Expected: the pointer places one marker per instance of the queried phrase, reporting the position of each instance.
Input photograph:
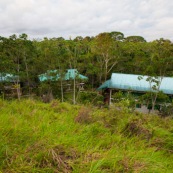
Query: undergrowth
(59, 137)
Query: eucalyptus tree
(62, 54)
(73, 48)
(105, 49)
(11, 59)
(28, 56)
(133, 57)
(16, 54)
(50, 57)
(159, 65)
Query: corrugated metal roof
(54, 76)
(6, 77)
(50, 75)
(73, 73)
(132, 82)
(105, 85)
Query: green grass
(59, 137)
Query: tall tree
(106, 51)
(159, 65)
(135, 39)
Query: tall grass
(59, 137)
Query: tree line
(95, 57)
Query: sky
(151, 19)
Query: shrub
(90, 97)
(83, 116)
(166, 110)
(135, 128)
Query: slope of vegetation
(59, 137)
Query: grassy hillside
(58, 137)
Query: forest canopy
(95, 57)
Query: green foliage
(118, 96)
(90, 97)
(161, 98)
(96, 57)
(135, 39)
(126, 99)
(166, 109)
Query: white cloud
(151, 19)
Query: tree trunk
(74, 91)
(62, 94)
(27, 74)
(18, 84)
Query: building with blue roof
(6, 77)
(131, 82)
(70, 82)
(134, 84)
(53, 75)
(10, 85)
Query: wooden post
(110, 95)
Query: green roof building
(6, 77)
(131, 82)
(53, 75)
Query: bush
(166, 110)
(83, 116)
(135, 128)
(127, 99)
(90, 97)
